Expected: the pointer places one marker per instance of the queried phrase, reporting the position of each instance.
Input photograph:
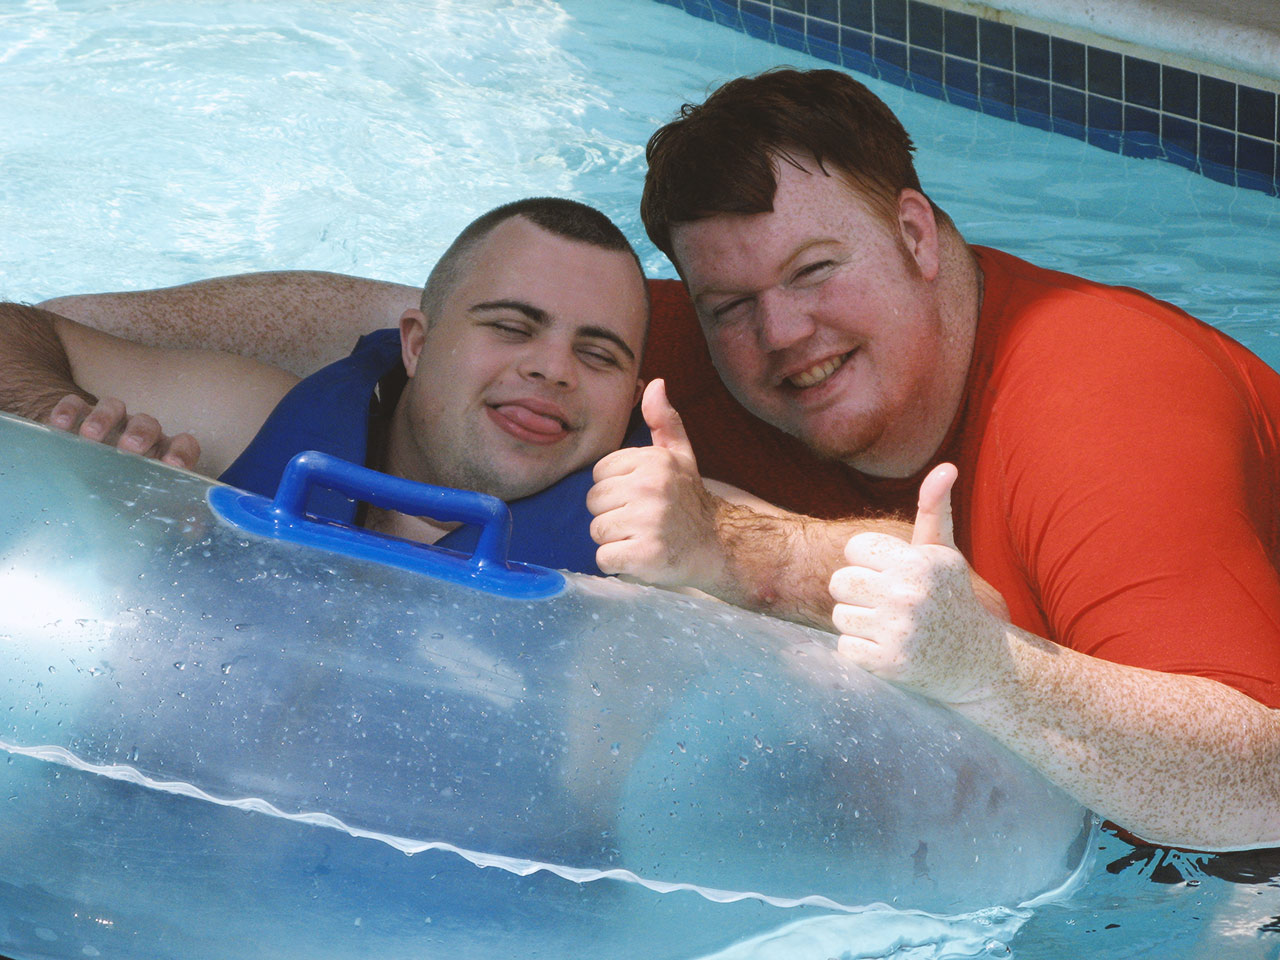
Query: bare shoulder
(297, 320)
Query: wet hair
(564, 218)
(719, 156)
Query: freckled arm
(1176, 759)
(781, 563)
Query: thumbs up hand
(907, 612)
(655, 520)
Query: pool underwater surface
(150, 143)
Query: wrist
(1008, 675)
(778, 564)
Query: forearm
(781, 563)
(297, 320)
(1175, 759)
(34, 370)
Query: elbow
(1231, 802)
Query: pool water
(149, 142)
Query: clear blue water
(148, 142)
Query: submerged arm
(297, 320)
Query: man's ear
(918, 229)
(639, 392)
(413, 335)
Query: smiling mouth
(818, 373)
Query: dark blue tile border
(1125, 104)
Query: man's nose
(551, 364)
(782, 320)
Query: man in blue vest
(514, 373)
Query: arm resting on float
(297, 320)
(221, 399)
(780, 563)
(1177, 760)
(749, 552)
(658, 521)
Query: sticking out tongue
(528, 424)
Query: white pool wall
(1242, 37)
(1178, 80)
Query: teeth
(817, 373)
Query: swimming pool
(153, 142)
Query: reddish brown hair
(719, 157)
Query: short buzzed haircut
(564, 218)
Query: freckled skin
(818, 325)
(778, 293)
(1131, 744)
(826, 279)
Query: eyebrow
(542, 318)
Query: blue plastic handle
(312, 468)
(285, 518)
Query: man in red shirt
(1118, 463)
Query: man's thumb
(933, 515)
(663, 420)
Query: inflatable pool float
(218, 742)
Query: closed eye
(814, 270)
(598, 356)
(722, 311)
(510, 329)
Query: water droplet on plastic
(680, 746)
(615, 748)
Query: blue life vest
(330, 411)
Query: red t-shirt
(1119, 470)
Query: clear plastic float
(220, 742)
